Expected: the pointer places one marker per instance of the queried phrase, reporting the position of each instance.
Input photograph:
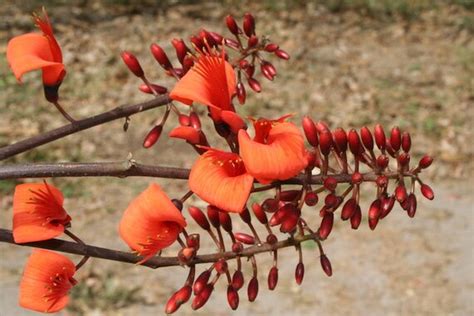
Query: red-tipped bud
(395, 138)
(254, 84)
(213, 215)
(249, 24)
(375, 209)
(310, 131)
(237, 247)
(237, 280)
(330, 183)
(411, 205)
(289, 195)
(160, 56)
(357, 178)
(184, 120)
(172, 306)
(231, 43)
(252, 289)
(221, 266)
(232, 24)
(152, 137)
(379, 135)
(273, 278)
(389, 149)
(340, 139)
(382, 161)
(427, 191)
(199, 217)
(201, 299)
(367, 138)
(270, 68)
(311, 198)
(381, 181)
(280, 53)
(201, 282)
(259, 213)
(322, 127)
(181, 49)
(348, 209)
(245, 215)
(403, 159)
(148, 88)
(241, 93)
(288, 224)
(198, 42)
(250, 70)
(400, 193)
(299, 273)
(270, 205)
(282, 213)
(406, 142)
(253, 41)
(373, 223)
(326, 225)
(132, 63)
(354, 142)
(225, 221)
(232, 297)
(387, 205)
(425, 162)
(271, 47)
(326, 265)
(266, 72)
(272, 239)
(183, 294)
(245, 238)
(325, 142)
(193, 241)
(356, 218)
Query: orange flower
(38, 212)
(34, 51)
(46, 281)
(220, 178)
(277, 151)
(151, 222)
(211, 82)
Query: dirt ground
(349, 68)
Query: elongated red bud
(194, 120)
(348, 209)
(221, 266)
(356, 218)
(271, 47)
(237, 247)
(299, 273)
(395, 138)
(406, 142)
(379, 135)
(272, 239)
(310, 131)
(403, 159)
(172, 306)
(254, 84)
(245, 215)
(283, 212)
(289, 223)
(322, 127)
(326, 225)
(289, 195)
(270, 205)
(183, 120)
(181, 49)
(148, 88)
(354, 142)
(250, 70)
(266, 73)
(270, 68)
(213, 215)
(272, 278)
(187, 133)
(241, 93)
(411, 205)
(389, 149)
(425, 162)
(259, 213)
(201, 299)
(249, 24)
(330, 201)
(237, 280)
(427, 191)
(252, 289)
(232, 24)
(218, 38)
(193, 241)
(325, 142)
(132, 63)
(340, 139)
(400, 193)
(375, 209)
(225, 221)
(183, 294)
(160, 56)
(357, 178)
(206, 36)
(253, 41)
(367, 138)
(231, 43)
(330, 183)
(387, 205)
(152, 137)
(311, 198)
(245, 238)
(201, 282)
(382, 161)
(382, 181)
(232, 297)
(199, 217)
(280, 53)
(326, 265)
(373, 223)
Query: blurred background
(353, 63)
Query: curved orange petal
(47, 279)
(44, 24)
(151, 222)
(37, 212)
(187, 133)
(220, 179)
(211, 82)
(234, 121)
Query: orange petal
(220, 179)
(44, 25)
(235, 122)
(187, 133)
(151, 222)
(46, 281)
(280, 157)
(211, 82)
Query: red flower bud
(289, 195)
(381, 181)
(403, 159)
(259, 213)
(354, 142)
(225, 221)
(330, 183)
(425, 162)
(252, 289)
(252, 41)
(373, 223)
(325, 142)
(299, 273)
(330, 201)
(221, 266)
(310, 131)
(375, 209)
(183, 294)
(395, 138)
(237, 247)
(272, 278)
(379, 136)
(387, 205)
(288, 224)
(406, 142)
(201, 299)
(245, 238)
(160, 56)
(280, 53)
(198, 42)
(231, 43)
(356, 218)
(218, 38)
(213, 215)
(389, 149)
(232, 297)
(357, 178)
(266, 72)
(245, 215)
(272, 239)
(194, 120)
(271, 47)
(249, 24)
(184, 120)
(172, 306)
(254, 84)
(367, 138)
(250, 70)
(340, 139)
(326, 265)
(237, 280)
(326, 225)
(157, 88)
(193, 241)
(427, 191)
(199, 217)
(411, 205)
(400, 193)
(181, 49)
(232, 24)
(187, 64)
(311, 198)
(322, 127)
(348, 209)
(132, 63)
(152, 137)
(270, 205)
(382, 161)
(201, 282)
(241, 93)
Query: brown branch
(80, 125)
(155, 262)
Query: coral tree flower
(151, 222)
(277, 151)
(38, 212)
(47, 279)
(35, 51)
(221, 179)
